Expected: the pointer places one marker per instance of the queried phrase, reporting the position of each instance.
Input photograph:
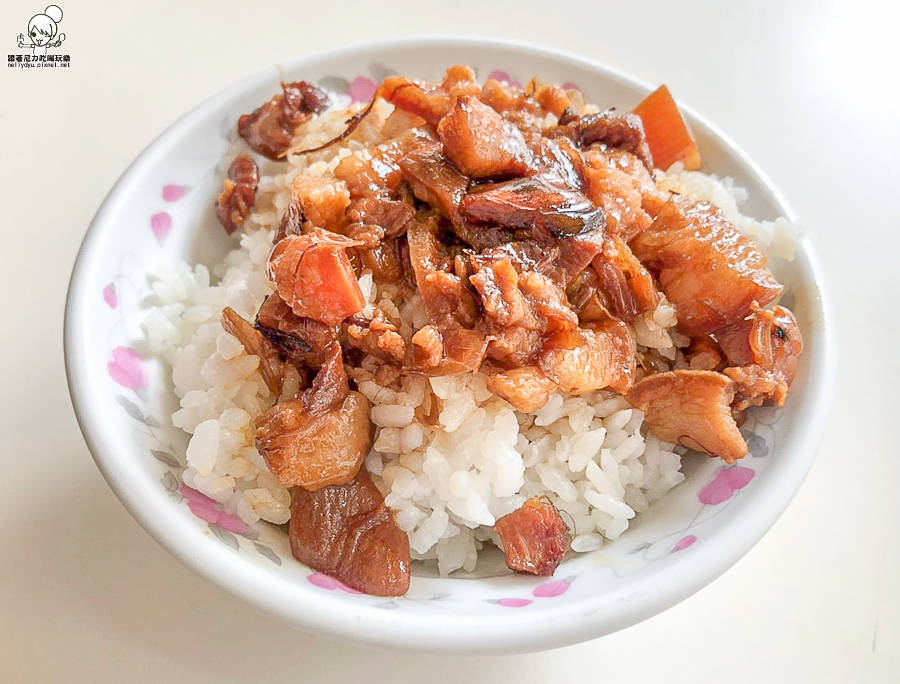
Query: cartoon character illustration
(42, 29)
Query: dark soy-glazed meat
(346, 531)
(609, 129)
(534, 537)
(238, 193)
(530, 204)
(269, 130)
(507, 231)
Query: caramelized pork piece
(527, 388)
(448, 349)
(347, 532)
(385, 261)
(691, 408)
(535, 206)
(584, 360)
(238, 193)
(608, 129)
(549, 96)
(378, 337)
(497, 282)
(513, 347)
(313, 275)
(431, 101)
(514, 295)
(704, 353)
(269, 130)
(535, 537)
(391, 217)
(762, 351)
(502, 97)
(270, 363)
(617, 182)
(303, 341)
(708, 270)
(481, 143)
(372, 171)
(320, 438)
(433, 180)
(627, 287)
(316, 202)
(444, 295)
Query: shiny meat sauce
(530, 233)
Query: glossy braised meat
(608, 129)
(710, 272)
(534, 537)
(691, 408)
(321, 437)
(316, 202)
(533, 204)
(482, 144)
(497, 243)
(238, 193)
(313, 275)
(269, 130)
(347, 532)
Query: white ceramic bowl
(158, 211)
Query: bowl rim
(513, 632)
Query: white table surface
(808, 87)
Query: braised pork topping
(532, 249)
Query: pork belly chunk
(691, 408)
(481, 143)
(349, 533)
(710, 272)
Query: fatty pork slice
(433, 180)
(710, 272)
(238, 193)
(592, 358)
(270, 128)
(347, 532)
(431, 101)
(448, 349)
(313, 275)
(527, 388)
(481, 143)
(762, 353)
(534, 205)
(534, 537)
(321, 437)
(691, 408)
(316, 202)
(626, 286)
